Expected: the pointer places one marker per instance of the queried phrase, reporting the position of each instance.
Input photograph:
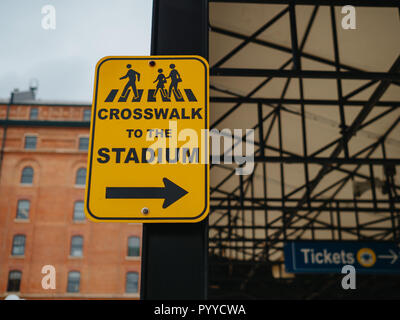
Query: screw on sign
(148, 149)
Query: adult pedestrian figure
(160, 83)
(131, 74)
(175, 79)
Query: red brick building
(42, 184)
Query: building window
(30, 142)
(27, 175)
(87, 115)
(81, 177)
(133, 247)
(79, 215)
(18, 246)
(76, 246)
(74, 279)
(23, 209)
(33, 113)
(14, 281)
(83, 143)
(132, 279)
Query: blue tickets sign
(331, 256)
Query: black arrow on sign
(170, 193)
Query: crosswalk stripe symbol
(123, 99)
(179, 97)
(111, 95)
(152, 98)
(190, 95)
(140, 93)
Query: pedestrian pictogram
(160, 85)
(131, 75)
(149, 141)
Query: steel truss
(237, 237)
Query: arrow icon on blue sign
(392, 256)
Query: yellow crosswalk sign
(148, 148)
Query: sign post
(174, 256)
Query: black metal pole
(174, 255)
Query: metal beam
(327, 160)
(358, 3)
(290, 209)
(309, 74)
(311, 102)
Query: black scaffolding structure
(350, 189)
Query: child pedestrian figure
(160, 83)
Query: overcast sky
(63, 60)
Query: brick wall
(52, 195)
